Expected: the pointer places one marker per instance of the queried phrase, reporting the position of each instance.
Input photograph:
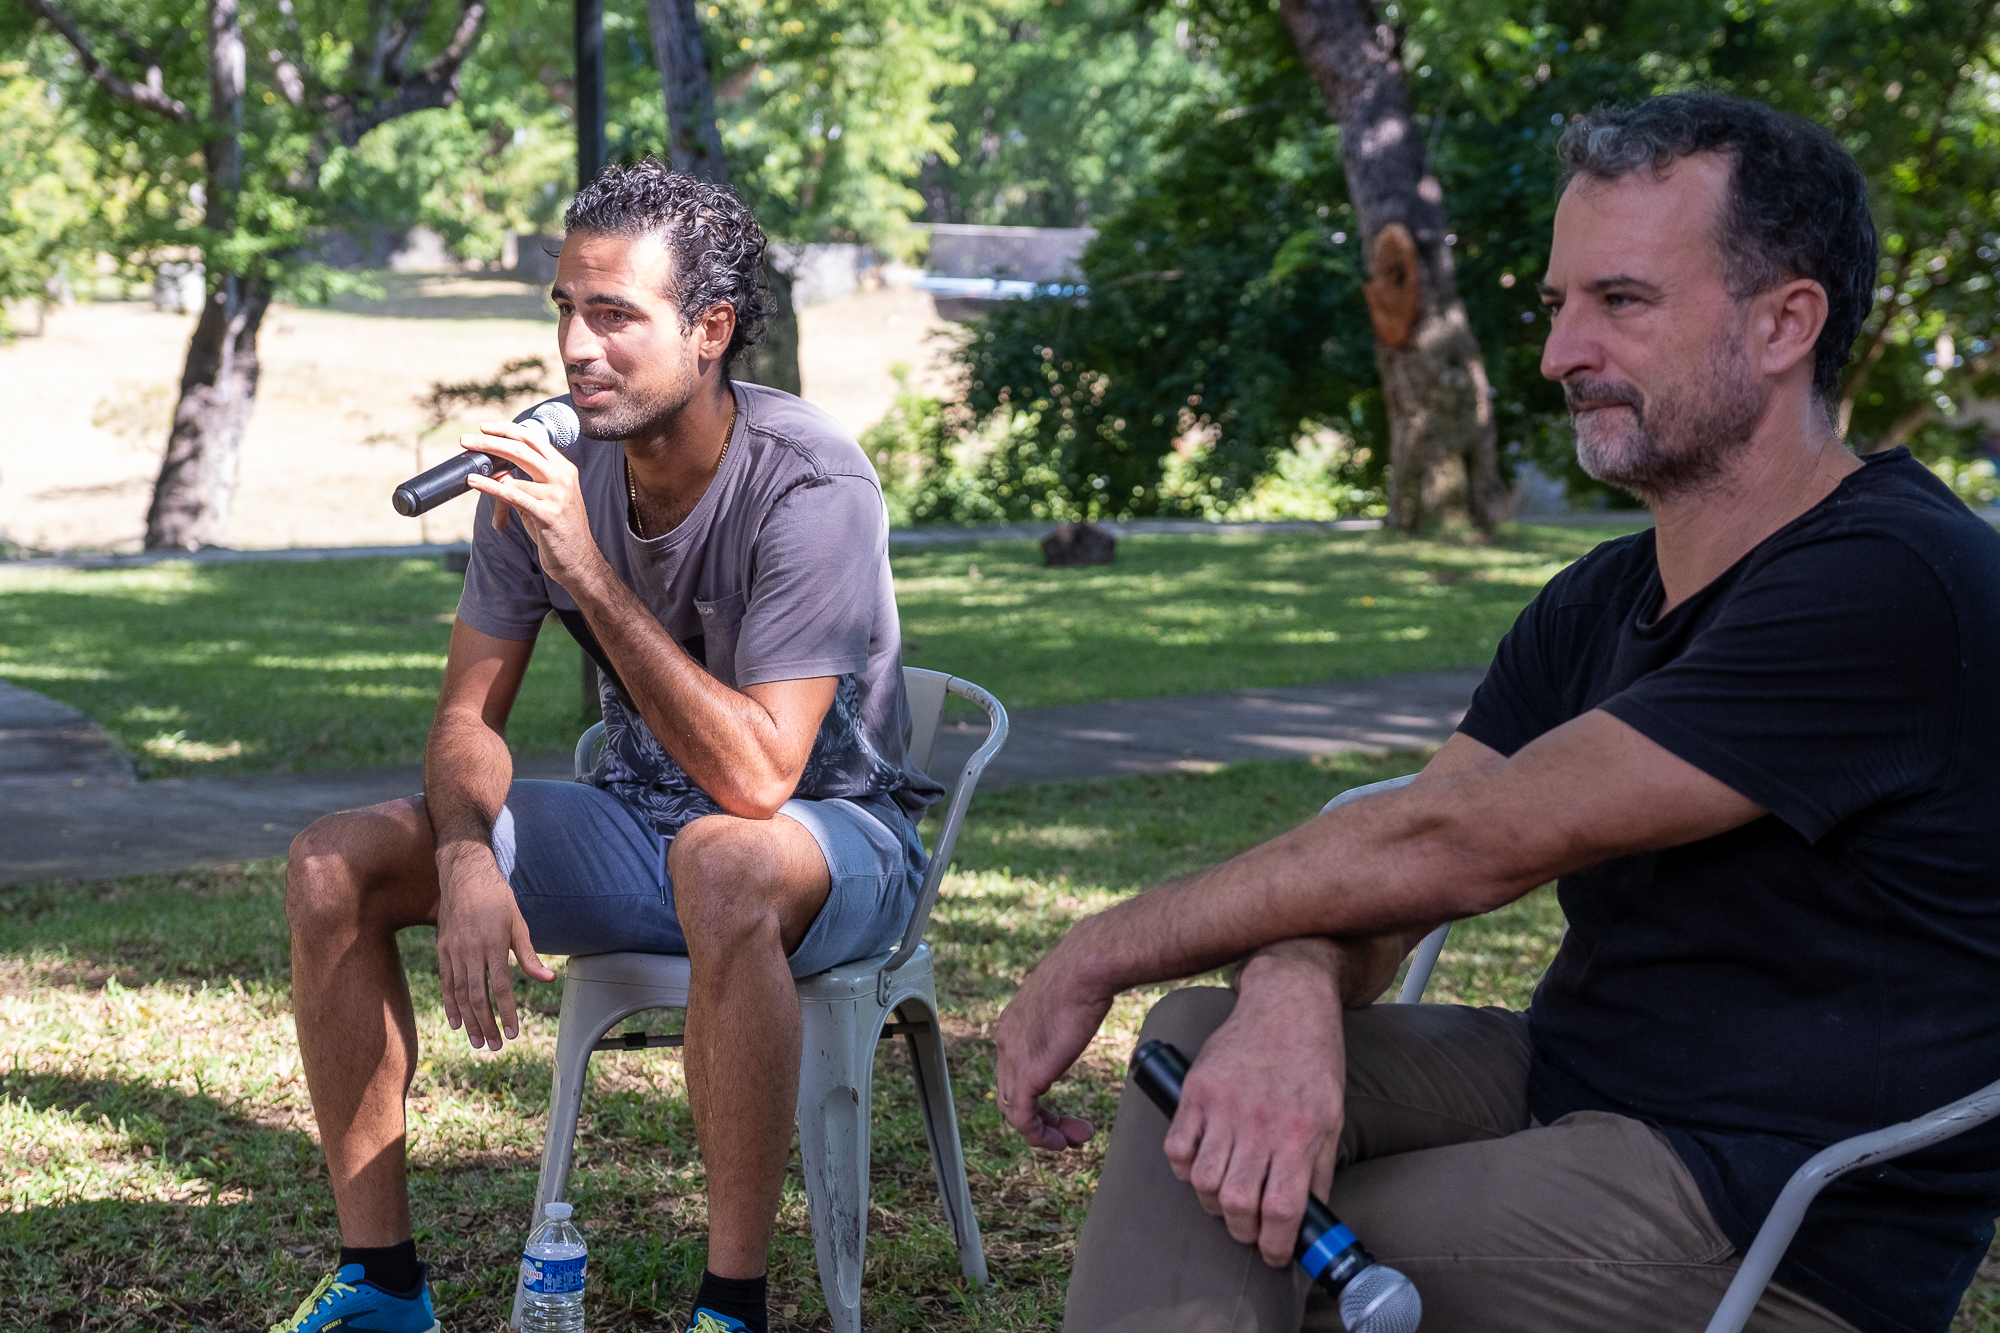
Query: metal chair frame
(1825, 1167)
(846, 1011)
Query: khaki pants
(1590, 1223)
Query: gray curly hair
(717, 246)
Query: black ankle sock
(738, 1297)
(393, 1268)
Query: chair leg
(587, 1014)
(836, 1079)
(941, 1128)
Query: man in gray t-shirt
(722, 551)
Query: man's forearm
(1439, 850)
(720, 736)
(467, 771)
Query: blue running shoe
(708, 1321)
(343, 1301)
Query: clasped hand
(549, 498)
(1259, 1124)
(1261, 1108)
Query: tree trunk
(1443, 459)
(695, 146)
(219, 384)
(218, 388)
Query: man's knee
(342, 860)
(727, 888)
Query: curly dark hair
(1797, 206)
(717, 246)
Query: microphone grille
(559, 420)
(1380, 1300)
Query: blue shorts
(590, 875)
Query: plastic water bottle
(552, 1269)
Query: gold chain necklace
(632, 486)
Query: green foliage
(826, 110)
(1223, 318)
(54, 210)
(1068, 108)
(308, 66)
(928, 465)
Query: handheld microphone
(447, 481)
(1373, 1298)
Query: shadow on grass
(211, 670)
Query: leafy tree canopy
(1223, 316)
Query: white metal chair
(1825, 1167)
(845, 1010)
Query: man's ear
(1796, 312)
(718, 326)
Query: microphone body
(1373, 1298)
(450, 479)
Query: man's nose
(578, 344)
(1570, 349)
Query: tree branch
(436, 86)
(148, 96)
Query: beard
(1679, 440)
(632, 413)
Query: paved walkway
(69, 807)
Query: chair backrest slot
(926, 691)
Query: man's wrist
(1089, 961)
(459, 853)
(1301, 972)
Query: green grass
(215, 670)
(163, 1171)
(1181, 615)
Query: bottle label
(552, 1277)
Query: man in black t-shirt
(1758, 746)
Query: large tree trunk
(695, 146)
(218, 388)
(219, 384)
(1443, 459)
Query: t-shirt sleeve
(505, 594)
(816, 582)
(1828, 684)
(1520, 697)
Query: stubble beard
(631, 414)
(1678, 442)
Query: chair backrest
(1426, 955)
(928, 691)
(925, 686)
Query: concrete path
(69, 807)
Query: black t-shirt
(1834, 966)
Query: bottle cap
(557, 1212)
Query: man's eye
(1617, 301)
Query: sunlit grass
(163, 1167)
(242, 668)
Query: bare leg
(746, 891)
(355, 879)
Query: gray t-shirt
(780, 573)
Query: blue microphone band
(1326, 1249)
